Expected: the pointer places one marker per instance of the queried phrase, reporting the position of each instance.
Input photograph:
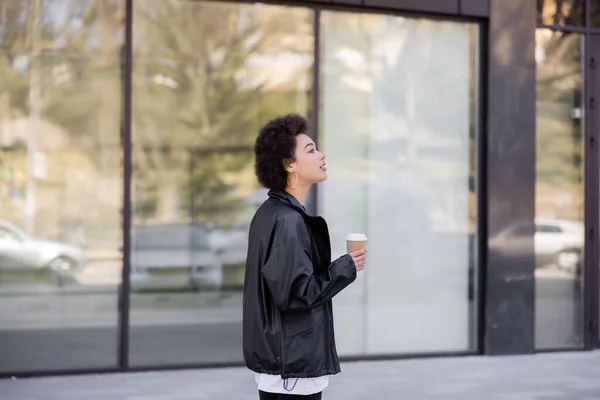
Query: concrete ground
(554, 376)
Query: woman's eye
(312, 151)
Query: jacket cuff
(348, 266)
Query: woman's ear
(287, 165)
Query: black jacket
(288, 287)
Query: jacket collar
(284, 196)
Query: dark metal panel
(308, 2)
(437, 6)
(481, 174)
(510, 284)
(356, 2)
(592, 192)
(127, 63)
(475, 8)
(587, 15)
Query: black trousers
(275, 396)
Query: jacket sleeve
(289, 274)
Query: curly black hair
(276, 142)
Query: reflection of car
(557, 241)
(20, 252)
(173, 256)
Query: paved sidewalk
(556, 376)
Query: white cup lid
(356, 237)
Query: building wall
(427, 111)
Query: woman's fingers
(358, 253)
(360, 258)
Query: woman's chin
(320, 178)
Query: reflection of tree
(86, 79)
(79, 64)
(59, 68)
(191, 96)
(561, 12)
(209, 195)
(80, 88)
(198, 90)
(559, 166)
(13, 44)
(196, 97)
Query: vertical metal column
(127, 62)
(316, 89)
(481, 190)
(511, 161)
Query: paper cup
(355, 241)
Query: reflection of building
(472, 193)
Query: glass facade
(394, 101)
(559, 227)
(567, 180)
(402, 161)
(206, 76)
(61, 180)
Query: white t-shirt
(299, 386)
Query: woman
(290, 280)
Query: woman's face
(309, 163)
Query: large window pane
(398, 127)
(559, 230)
(207, 76)
(60, 183)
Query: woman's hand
(360, 258)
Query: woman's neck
(299, 192)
